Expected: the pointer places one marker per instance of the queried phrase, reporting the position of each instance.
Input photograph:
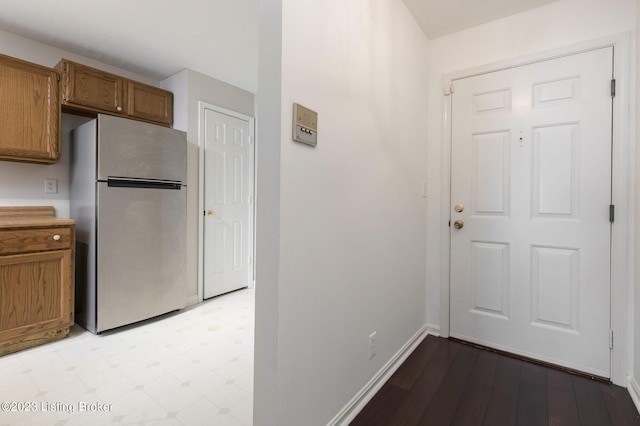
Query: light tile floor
(193, 367)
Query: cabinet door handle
(119, 108)
(56, 237)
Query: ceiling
(441, 17)
(219, 38)
(154, 38)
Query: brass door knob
(458, 208)
(211, 213)
(458, 224)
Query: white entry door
(531, 185)
(228, 203)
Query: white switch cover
(51, 186)
(372, 345)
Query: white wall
(189, 88)
(268, 147)
(22, 184)
(635, 380)
(351, 212)
(553, 26)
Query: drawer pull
(56, 237)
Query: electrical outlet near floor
(372, 344)
(51, 186)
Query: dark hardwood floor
(448, 383)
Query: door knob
(458, 224)
(211, 213)
(458, 208)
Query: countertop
(40, 216)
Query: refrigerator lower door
(141, 254)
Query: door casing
(622, 190)
(202, 106)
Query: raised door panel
(92, 88)
(149, 103)
(35, 294)
(29, 112)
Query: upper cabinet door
(92, 88)
(29, 112)
(149, 103)
(89, 90)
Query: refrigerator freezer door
(141, 254)
(128, 148)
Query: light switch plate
(305, 125)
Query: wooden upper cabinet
(149, 103)
(29, 112)
(90, 90)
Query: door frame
(622, 189)
(202, 107)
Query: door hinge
(64, 96)
(610, 339)
(613, 87)
(448, 89)
(58, 77)
(612, 213)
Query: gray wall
(189, 89)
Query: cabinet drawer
(26, 240)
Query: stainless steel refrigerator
(128, 198)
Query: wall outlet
(372, 345)
(51, 186)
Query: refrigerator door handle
(116, 182)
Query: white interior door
(531, 172)
(228, 195)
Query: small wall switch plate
(51, 186)
(305, 125)
(372, 345)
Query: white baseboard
(357, 403)
(634, 391)
(433, 330)
(193, 300)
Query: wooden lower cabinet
(36, 280)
